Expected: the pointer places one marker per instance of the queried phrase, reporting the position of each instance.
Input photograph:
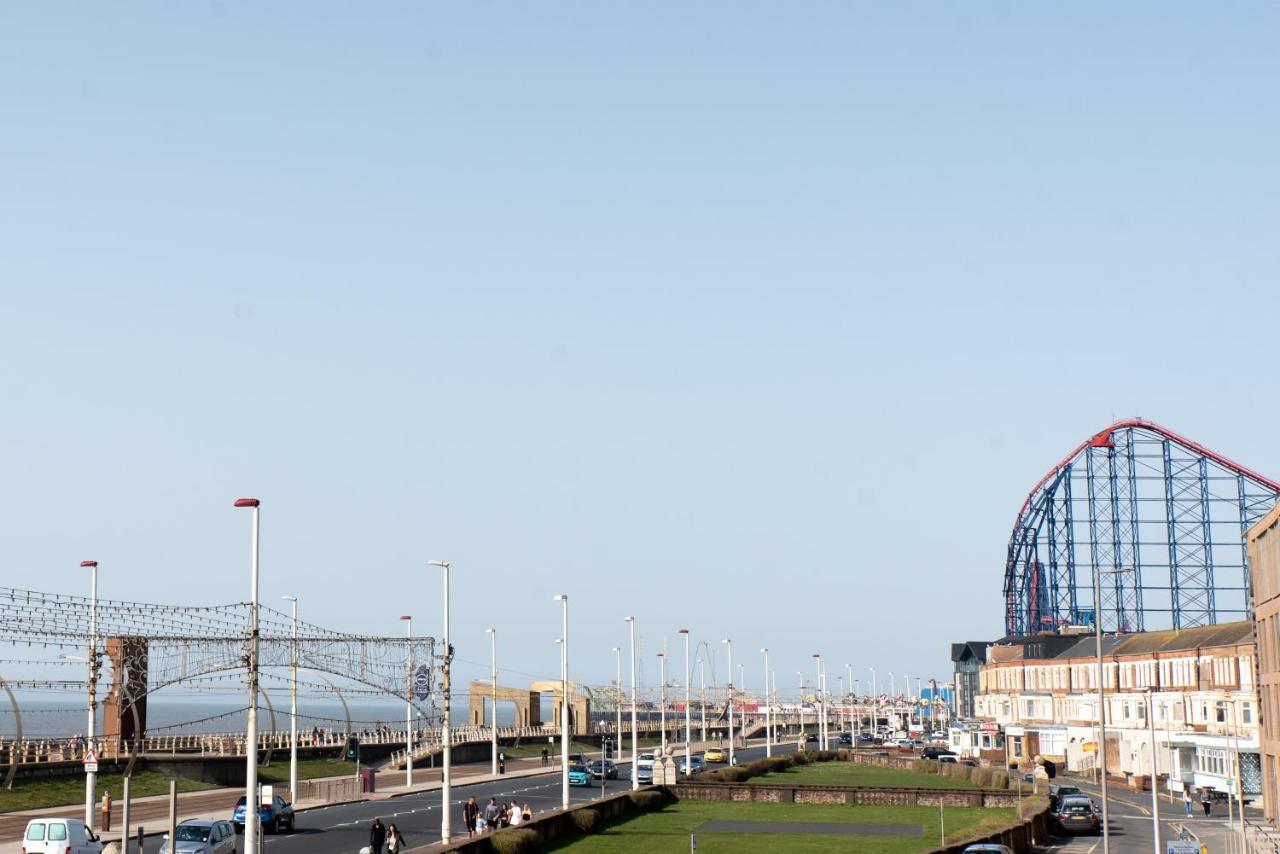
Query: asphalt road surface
(344, 829)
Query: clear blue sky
(759, 319)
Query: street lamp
(563, 599)
(688, 698)
(662, 699)
(293, 702)
(91, 778)
(251, 718)
(617, 702)
(821, 706)
(635, 751)
(408, 700)
(853, 697)
(702, 689)
(768, 712)
(1098, 572)
(800, 709)
(446, 738)
(729, 644)
(493, 687)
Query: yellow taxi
(714, 754)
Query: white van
(59, 836)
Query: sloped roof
(1170, 640)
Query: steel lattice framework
(192, 644)
(1137, 497)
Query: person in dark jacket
(469, 814)
(377, 836)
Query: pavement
(1132, 829)
(343, 828)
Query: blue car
(579, 775)
(276, 815)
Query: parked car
(811, 737)
(201, 836)
(714, 754)
(935, 752)
(695, 763)
(275, 816)
(988, 848)
(1058, 791)
(948, 759)
(865, 738)
(603, 768)
(580, 776)
(972, 763)
(58, 836)
(1077, 815)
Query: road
(1131, 825)
(344, 829)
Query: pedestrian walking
(491, 813)
(1207, 802)
(528, 814)
(395, 842)
(377, 836)
(470, 813)
(1186, 801)
(516, 815)
(545, 756)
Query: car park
(603, 769)
(276, 815)
(1076, 815)
(58, 836)
(714, 754)
(201, 836)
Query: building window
(1246, 712)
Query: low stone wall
(773, 793)
(549, 826)
(884, 760)
(1020, 837)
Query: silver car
(202, 836)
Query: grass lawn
(669, 829)
(308, 769)
(852, 774)
(63, 791)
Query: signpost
(1182, 846)
(90, 761)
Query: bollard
(142, 836)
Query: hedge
(515, 840)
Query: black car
(813, 736)
(1077, 815)
(935, 752)
(1057, 792)
(846, 738)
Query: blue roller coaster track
(1159, 517)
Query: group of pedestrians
(493, 816)
(1206, 801)
(389, 835)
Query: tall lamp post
(446, 737)
(635, 751)
(662, 699)
(493, 700)
(617, 701)
(729, 644)
(1098, 572)
(91, 778)
(768, 709)
(702, 689)
(408, 700)
(853, 696)
(251, 717)
(563, 599)
(821, 706)
(688, 698)
(293, 701)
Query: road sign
(90, 762)
(1180, 846)
(422, 682)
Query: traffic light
(353, 749)
(608, 748)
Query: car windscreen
(581, 769)
(192, 833)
